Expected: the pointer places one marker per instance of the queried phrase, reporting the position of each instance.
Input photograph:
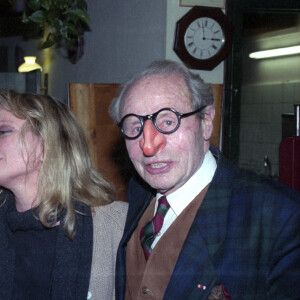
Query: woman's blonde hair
(66, 174)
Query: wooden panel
(90, 103)
(83, 105)
(211, 3)
(218, 95)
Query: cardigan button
(145, 290)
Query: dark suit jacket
(246, 235)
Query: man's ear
(207, 122)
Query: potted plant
(59, 22)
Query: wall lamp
(29, 64)
(275, 52)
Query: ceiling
(261, 23)
(11, 24)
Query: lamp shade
(29, 64)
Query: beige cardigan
(108, 225)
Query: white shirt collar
(182, 197)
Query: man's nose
(152, 141)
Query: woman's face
(19, 164)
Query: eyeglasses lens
(166, 121)
(131, 126)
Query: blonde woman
(59, 226)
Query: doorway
(260, 91)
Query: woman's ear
(207, 122)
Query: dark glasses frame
(152, 117)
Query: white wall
(125, 37)
(174, 13)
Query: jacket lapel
(139, 199)
(195, 273)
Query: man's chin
(161, 183)
(162, 188)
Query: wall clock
(203, 37)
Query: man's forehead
(158, 90)
(160, 81)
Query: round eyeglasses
(166, 120)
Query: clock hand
(203, 38)
(212, 39)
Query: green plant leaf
(41, 30)
(56, 23)
(38, 16)
(46, 4)
(72, 14)
(76, 14)
(34, 4)
(83, 16)
(82, 4)
(72, 29)
(48, 42)
(24, 19)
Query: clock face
(204, 38)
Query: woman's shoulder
(114, 209)
(114, 212)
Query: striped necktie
(150, 230)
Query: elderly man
(206, 229)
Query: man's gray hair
(201, 93)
